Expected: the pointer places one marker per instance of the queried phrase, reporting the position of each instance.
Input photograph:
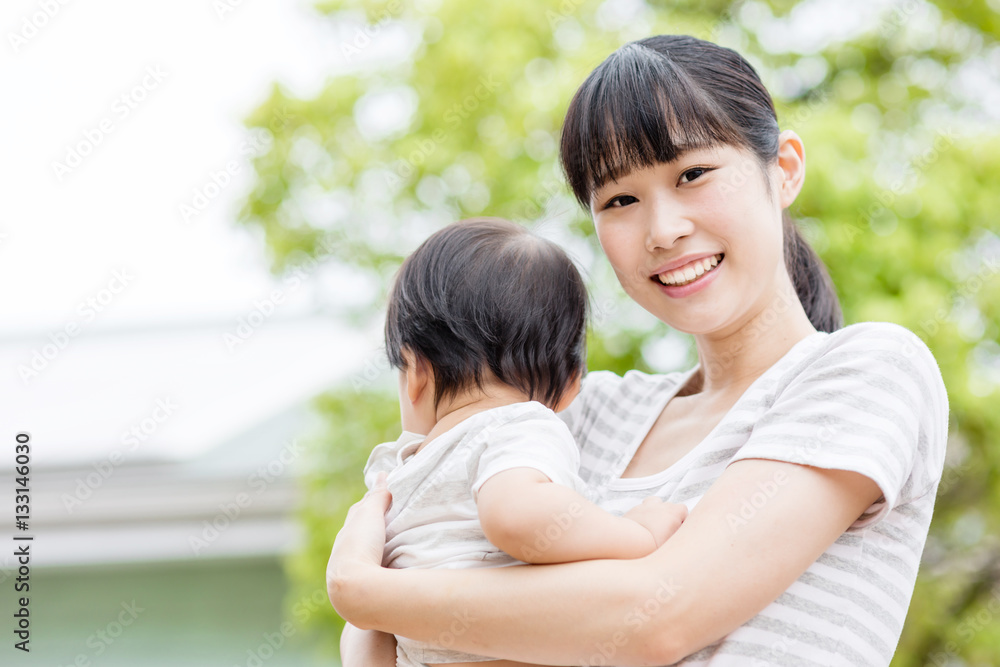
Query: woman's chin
(686, 317)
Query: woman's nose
(667, 224)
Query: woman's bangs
(636, 110)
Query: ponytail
(811, 280)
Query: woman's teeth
(690, 272)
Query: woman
(808, 454)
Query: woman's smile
(690, 277)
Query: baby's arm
(535, 520)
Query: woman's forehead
(688, 154)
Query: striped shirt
(868, 398)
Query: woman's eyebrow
(683, 151)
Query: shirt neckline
(412, 449)
(656, 479)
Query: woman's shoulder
(868, 398)
(882, 348)
(875, 331)
(878, 373)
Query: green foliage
(356, 421)
(900, 201)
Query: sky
(113, 303)
(117, 113)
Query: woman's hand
(357, 551)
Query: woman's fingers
(361, 541)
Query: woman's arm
(525, 514)
(366, 648)
(719, 570)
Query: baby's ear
(419, 376)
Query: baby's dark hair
(487, 297)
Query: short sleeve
(385, 457)
(873, 403)
(544, 444)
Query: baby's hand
(659, 518)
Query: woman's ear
(792, 166)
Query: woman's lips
(690, 271)
(687, 286)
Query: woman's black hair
(654, 99)
(487, 297)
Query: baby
(486, 324)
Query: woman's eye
(692, 174)
(620, 200)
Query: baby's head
(485, 301)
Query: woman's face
(698, 241)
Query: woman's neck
(731, 361)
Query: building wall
(201, 613)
